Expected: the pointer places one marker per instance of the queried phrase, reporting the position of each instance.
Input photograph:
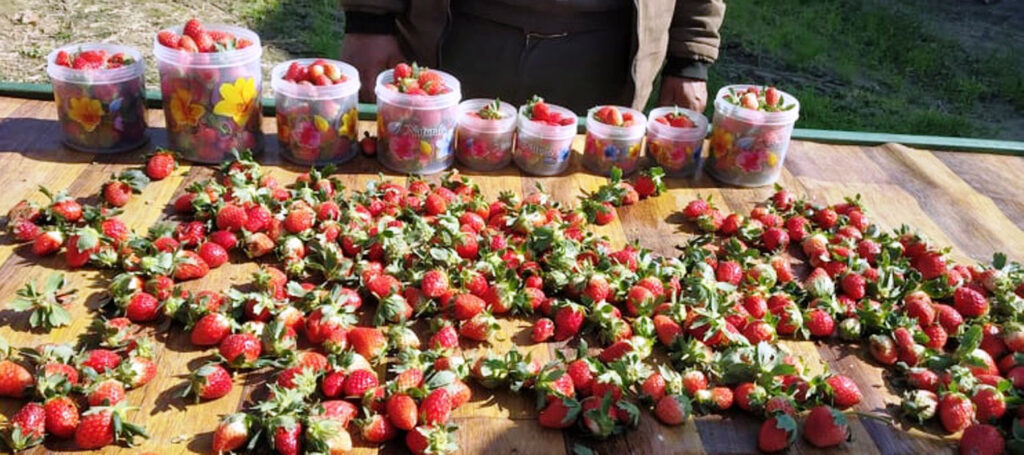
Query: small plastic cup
(543, 149)
(100, 110)
(317, 125)
(212, 99)
(416, 133)
(610, 146)
(485, 144)
(748, 147)
(676, 150)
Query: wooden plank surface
(973, 202)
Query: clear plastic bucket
(416, 133)
(610, 146)
(100, 110)
(748, 147)
(317, 124)
(212, 99)
(676, 150)
(485, 144)
(543, 149)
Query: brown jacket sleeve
(693, 34)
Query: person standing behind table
(576, 53)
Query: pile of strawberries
(676, 118)
(95, 59)
(611, 115)
(538, 111)
(766, 99)
(432, 266)
(416, 80)
(77, 393)
(195, 38)
(319, 72)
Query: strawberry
(116, 193)
(232, 432)
(97, 428)
(188, 265)
(826, 427)
(209, 382)
(776, 434)
(919, 305)
(162, 163)
(49, 241)
(286, 432)
(142, 307)
(480, 327)
(882, 349)
(27, 427)
(299, 220)
(434, 283)
(100, 360)
(240, 350)
(376, 429)
(970, 302)
(61, 416)
(369, 342)
(666, 329)
(466, 306)
(559, 413)
(24, 230)
(989, 403)
(436, 408)
(931, 264)
(844, 391)
(672, 409)
(431, 440)
(210, 330)
(401, 410)
(955, 411)
(106, 393)
(568, 321)
(1013, 336)
(213, 254)
(820, 323)
(67, 209)
(232, 218)
(193, 28)
(982, 439)
(543, 330)
(359, 382)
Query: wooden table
(973, 202)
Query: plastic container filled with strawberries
(750, 134)
(317, 115)
(675, 139)
(615, 137)
(485, 134)
(211, 82)
(544, 137)
(417, 111)
(100, 91)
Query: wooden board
(973, 202)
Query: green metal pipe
(369, 112)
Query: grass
(864, 65)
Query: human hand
(370, 54)
(683, 92)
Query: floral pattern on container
(750, 134)
(615, 138)
(544, 137)
(317, 116)
(99, 90)
(675, 139)
(485, 134)
(417, 111)
(211, 82)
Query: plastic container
(675, 149)
(317, 124)
(543, 149)
(610, 146)
(212, 99)
(416, 133)
(748, 147)
(100, 110)
(485, 144)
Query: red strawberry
(68, 209)
(695, 209)
(359, 382)
(142, 307)
(210, 330)
(568, 321)
(883, 349)
(820, 323)
(465, 306)
(543, 330)
(209, 382)
(61, 416)
(776, 434)
(25, 230)
(672, 409)
(982, 439)
(918, 305)
(369, 342)
(970, 302)
(101, 360)
(401, 410)
(240, 350)
(826, 427)
(116, 193)
(193, 28)
(286, 432)
(232, 432)
(667, 329)
(162, 163)
(47, 242)
(955, 411)
(845, 392)
(231, 217)
(188, 265)
(559, 413)
(97, 428)
(376, 429)
(694, 381)
(931, 264)
(299, 220)
(989, 403)
(106, 393)
(213, 254)
(27, 427)
(436, 408)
